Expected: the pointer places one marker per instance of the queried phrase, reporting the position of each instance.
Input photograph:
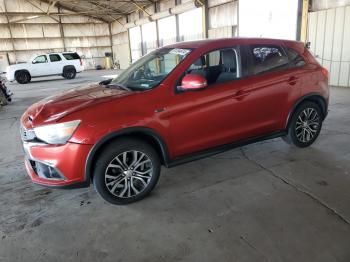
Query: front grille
(27, 134)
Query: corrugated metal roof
(106, 10)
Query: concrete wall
(24, 35)
(221, 22)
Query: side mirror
(193, 82)
(105, 82)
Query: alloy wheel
(128, 174)
(307, 125)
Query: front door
(40, 66)
(203, 119)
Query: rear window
(294, 58)
(268, 58)
(71, 56)
(55, 58)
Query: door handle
(292, 80)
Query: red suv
(177, 104)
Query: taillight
(324, 72)
(81, 61)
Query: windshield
(151, 69)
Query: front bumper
(57, 165)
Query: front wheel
(23, 77)
(305, 125)
(126, 171)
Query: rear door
(267, 90)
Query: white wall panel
(4, 31)
(45, 43)
(117, 27)
(268, 18)
(26, 30)
(5, 44)
(218, 2)
(51, 31)
(86, 30)
(122, 55)
(166, 4)
(223, 15)
(78, 19)
(320, 35)
(329, 34)
(3, 19)
(222, 32)
(87, 41)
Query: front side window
(55, 58)
(40, 59)
(218, 66)
(151, 69)
(268, 58)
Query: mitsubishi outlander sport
(176, 104)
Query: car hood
(58, 106)
(17, 66)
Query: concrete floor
(263, 202)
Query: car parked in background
(66, 64)
(177, 104)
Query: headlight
(57, 133)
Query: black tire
(110, 174)
(23, 77)
(303, 130)
(69, 73)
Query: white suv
(67, 64)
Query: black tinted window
(294, 58)
(55, 58)
(71, 56)
(218, 66)
(267, 58)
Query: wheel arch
(312, 97)
(146, 134)
(21, 70)
(68, 66)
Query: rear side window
(55, 58)
(71, 56)
(295, 60)
(268, 58)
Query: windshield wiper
(121, 86)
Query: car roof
(68, 52)
(231, 41)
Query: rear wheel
(126, 171)
(23, 77)
(69, 73)
(305, 125)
